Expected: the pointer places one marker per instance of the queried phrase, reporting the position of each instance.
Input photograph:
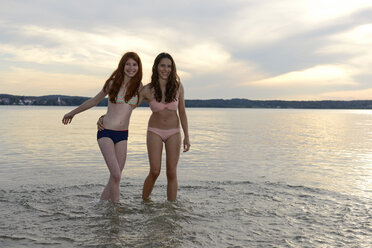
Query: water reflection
(275, 174)
(320, 148)
(148, 225)
(162, 225)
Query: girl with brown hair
(165, 95)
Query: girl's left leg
(172, 148)
(121, 153)
(115, 156)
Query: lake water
(253, 178)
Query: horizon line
(236, 98)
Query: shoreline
(64, 100)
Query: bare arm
(183, 119)
(144, 94)
(140, 95)
(67, 118)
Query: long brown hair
(173, 83)
(117, 78)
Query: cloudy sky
(255, 49)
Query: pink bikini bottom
(163, 133)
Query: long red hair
(117, 78)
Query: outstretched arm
(183, 119)
(67, 118)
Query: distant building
(4, 100)
(28, 102)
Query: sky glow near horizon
(260, 50)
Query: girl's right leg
(154, 149)
(112, 189)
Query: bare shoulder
(181, 90)
(146, 89)
(110, 84)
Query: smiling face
(130, 68)
(164, 73)
(164, 68)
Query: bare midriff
(117, 116)
(164, 119)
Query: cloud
(242, 48)
(203, 57)
(212, 58)
(363, 94)
(33, 82)
(322, 75)
(71, 46)
(347, 95)
(95, 54)
(356, 42)
(256, 23)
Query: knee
(171, 175)
(116, 177)
(154, 173)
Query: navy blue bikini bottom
(115, 135)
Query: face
(164, 68)
(130, 68)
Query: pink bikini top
(158, 106)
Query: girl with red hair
(122, 88)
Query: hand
(100, 125)
(186, 144)
(67, 118)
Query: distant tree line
(49, 100)
(62, 100)
(245, 103)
